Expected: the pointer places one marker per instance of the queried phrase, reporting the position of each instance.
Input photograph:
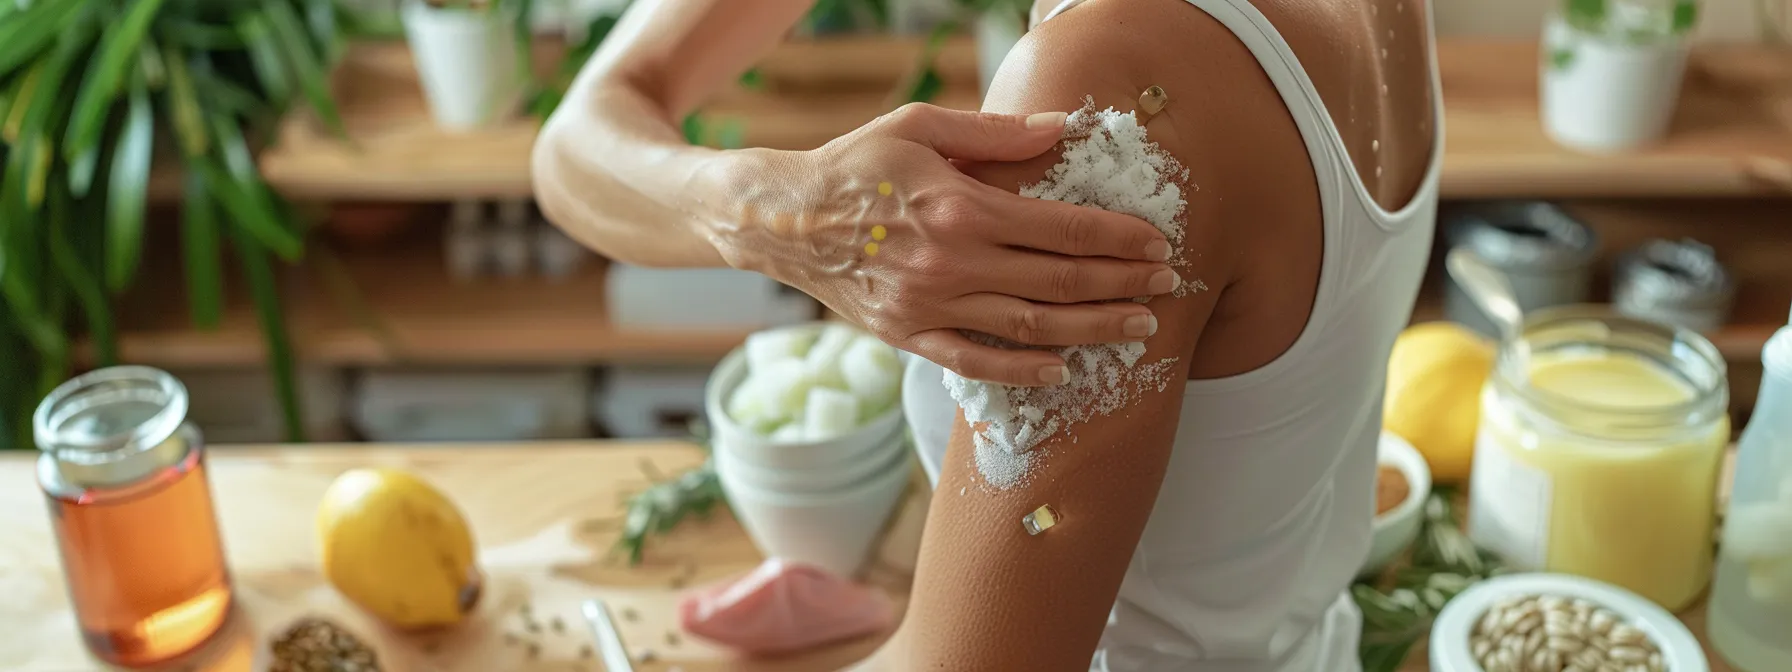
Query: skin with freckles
(987, 596)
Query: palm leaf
(183, 103)
(264, 57)
(304, 64)
(80, 278)
(129, 182)
(249, 210)
(106, 74)
(199, 248)
(26, 34)
(266, 295)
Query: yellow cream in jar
(1594, 471)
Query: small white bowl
(1395, 530)
(836, 476)
(1450, 650)
(834, 531)
(750, 446)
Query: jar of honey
(124, 476)
(1598, 454)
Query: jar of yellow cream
(1598, 452)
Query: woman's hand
(884, 229)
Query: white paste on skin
(1107, 163)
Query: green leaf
(150, 66)
(199, 249)
(1686, 13)
(1561, 57)
(320, 19)
(926, 87)
(266, 295)
(128, 190)
(304, 64)
(200, 36)
(693, 128)
(183, 103)
(752, 80)
(26, 34)
(1588, 15)
(246, 207)
(227, 95)
(81, 170)
(105, 74)
(80, 278)
(525, 39)
(265, 58)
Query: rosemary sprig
(1442, 564)
(666, 503)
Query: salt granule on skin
(1107, 163)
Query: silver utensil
(609, 639)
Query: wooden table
(543, 514)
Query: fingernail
(1044, 120)
(1140, 326)
(1055, 375)
(1164, 282)
(1157, 250)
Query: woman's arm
(879, 224)
(988, 596)
(612, 167)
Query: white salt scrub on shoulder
(1109, 164)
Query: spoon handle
(1489, 289)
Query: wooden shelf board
(1731, 137)
(428, 319)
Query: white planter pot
(466, 61)
(997, 33)
(1601, 95)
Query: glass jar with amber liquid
(123, 473)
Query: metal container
(1545, 254)
(1675, 283)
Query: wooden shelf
(1732, 135)
(427, 318)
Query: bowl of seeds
(1559, 623)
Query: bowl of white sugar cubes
(809, 440)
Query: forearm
(616, 174)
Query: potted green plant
(1612, 71)
(91, 92)
(472, 58)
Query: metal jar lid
(1674, 282)
(1526, 236)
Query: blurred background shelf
(1732, 135)
(409, 311)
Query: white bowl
(1395, 530)
(1450, 634)
(834, 531)
(839, 475)
(750, 446)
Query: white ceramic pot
(837, 476)
(750, 446)
(1395, 530)
(466, 61)
(1604, 95)
(1450, 647)
(997, 32)
(834, 531)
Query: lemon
(398, 548)
(1434, 394)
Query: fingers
(1020, 368)
(978, 136)
(1052, 226)
(1059, 279)
(1052, 324)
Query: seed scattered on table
(558, 625)
(534, 650)
(509, 639)
(630, 615)
(585, 652)
(647, 656)
(316, 644)
(671, 638)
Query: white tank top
(1264, 514)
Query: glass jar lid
(113, 425)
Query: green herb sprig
(1442, 563)
(669, 501)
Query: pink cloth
(781, 607)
